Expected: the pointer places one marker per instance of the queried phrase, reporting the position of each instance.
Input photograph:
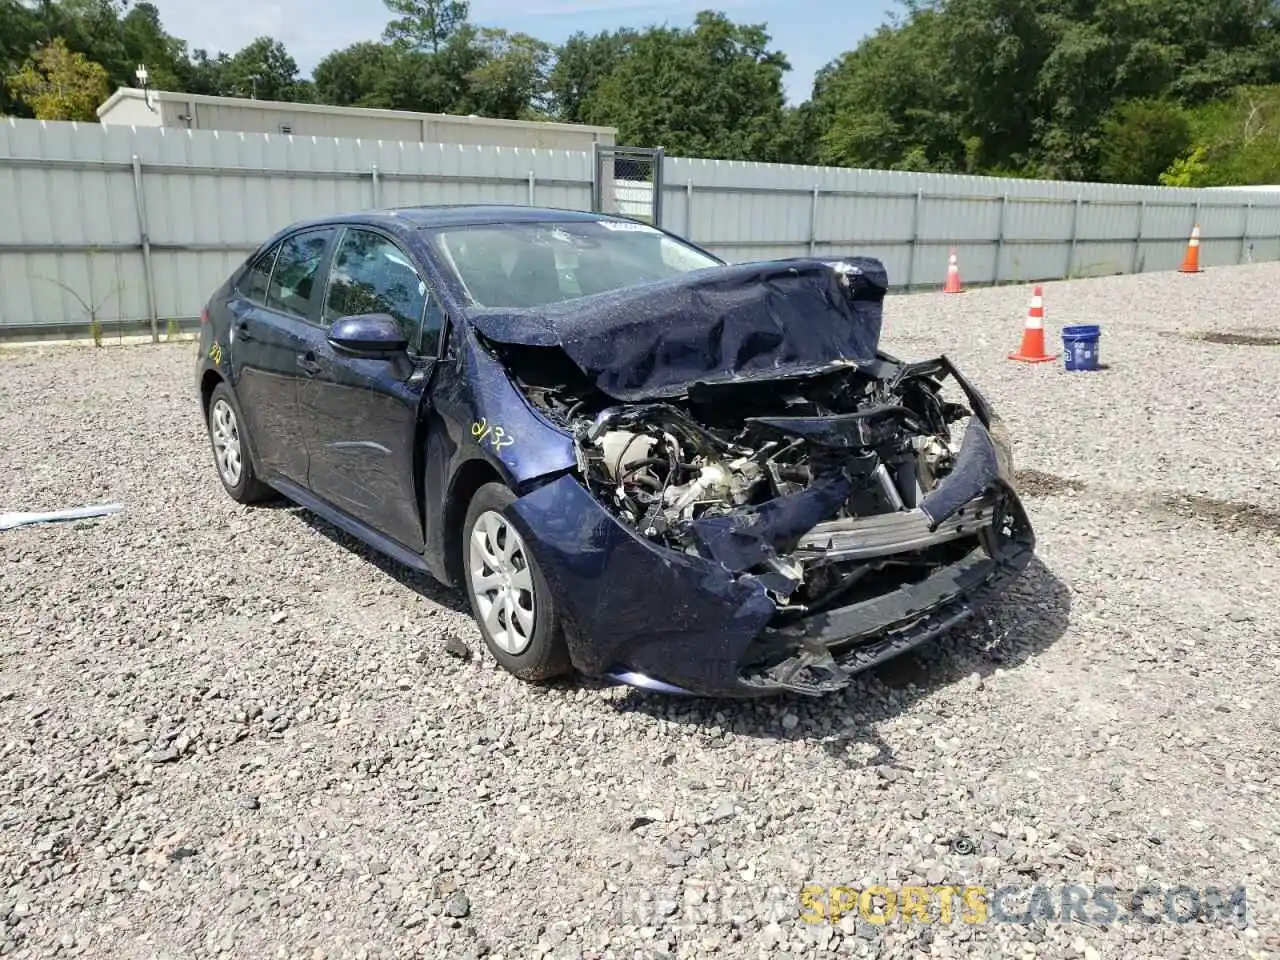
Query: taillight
(204, 316)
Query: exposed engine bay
(782, 479)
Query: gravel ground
(230, 731)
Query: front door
(269, 323)
(360, 415)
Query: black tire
(247, 488)
(546, 654)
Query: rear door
(276, 302)
(360, 415)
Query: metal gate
(628, 181)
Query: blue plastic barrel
(1080, 346)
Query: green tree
(797, 138)
(1237, 140)
(207, 74)
(983, 87)
(361, 75)
(891, 103)
(21, 33)
(1188, 171)
(145, 41)
(432, 82)
(1141, 138)
(91, 27)
(581, 65)
(438, 82)
(59, 84)
(1034, 87)
(510, 77)
(711, 91)
(425, 24)
(262, 70)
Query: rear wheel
(509, 595)
(231, 449)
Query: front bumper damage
(821, 654)
(649, 616)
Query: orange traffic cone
(1032, 349)
(953, 276)
(1191, 262)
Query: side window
(292, 281)
(253, 285)
(370, 274)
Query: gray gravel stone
(457, 905)
(174, 763)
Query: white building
(129, 106)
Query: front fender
(629, 604)
(501, 425)
(477, 416)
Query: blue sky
(809, 32)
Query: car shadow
(420, 583)
(1028, 618)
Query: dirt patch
(1239, 339)
(1225, 514)
(1034, 483)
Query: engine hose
(656, 462)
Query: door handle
(308, 364)
(242, 330)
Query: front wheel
(509, 595)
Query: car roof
(459, 215)
(471, 214)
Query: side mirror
(368, 335)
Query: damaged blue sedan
(637, 461)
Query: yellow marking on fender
(496, 436)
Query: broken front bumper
(818, 654)
(657, 618)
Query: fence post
(813, 220)
(376, 186)
(533, 186)
(659, 156)
(597, 188)
(1004, 207)
(1244, 234)
(144, 236)
(688, 209)
(1075, 235)
(1138, 259)
(915, 230)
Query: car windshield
(536, 264)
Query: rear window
(292, 287)
(254, 283)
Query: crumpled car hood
(765, 320)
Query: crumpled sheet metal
(751, 536)
(10, 520)
(735, 323)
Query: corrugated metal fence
(1002, 230)
(140, 225)
(145, 223)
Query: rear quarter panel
(213, 345)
